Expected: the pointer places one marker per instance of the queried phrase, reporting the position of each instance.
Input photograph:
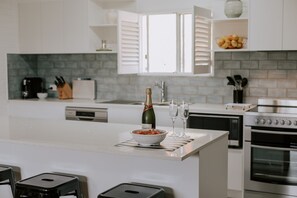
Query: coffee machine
(31, 86)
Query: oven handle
(212, 116)
(273, 148)
(272, 132)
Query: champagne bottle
(148, 115)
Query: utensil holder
(237, 96)
(65, 92)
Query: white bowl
(42, 95)
(149, 139)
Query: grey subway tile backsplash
(229, 64)
(258, 56)
(277, 74)
(292, 55)
(268, 64)
(276, 93)
(277, 55)
(241, 56)
(290, 65)
(270, 74)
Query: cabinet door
(75, 24)
(30, 27)
(265, 24)
(52, 25)
(289, 26)
(128, 42)
(235, 169)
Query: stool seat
(50, 185)
(133, 190)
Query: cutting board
(83, 89)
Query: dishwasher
(86, 114)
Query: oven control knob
(282, 122)
(263, 121)
(289, 122)
(257, 121)
(295, 122)
(276, 122)
(269, 122)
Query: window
(167, 43)
(178, 43)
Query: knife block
(65, 92)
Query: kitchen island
(197, 169)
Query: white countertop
(96, 137)
(194, 108)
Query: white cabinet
(66, 26)
(265, 24)
(289, 25)
(235, 170)
(100, 27)
(75, 26)
(53, 26)
(225, 27)
(272, 25)
(30, 27)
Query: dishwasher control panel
(86, 114)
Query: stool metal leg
(8, 174)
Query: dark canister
(237, 96)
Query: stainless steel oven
(270, 150)
(231, 123)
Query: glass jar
(233, 8)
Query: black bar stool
(7, 177)
(48, 185)
(133, 190)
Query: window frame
(178, 67)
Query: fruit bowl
(149, 137)
(231, 42)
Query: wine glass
(184, 115)
(173, 111)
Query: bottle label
(147, 126)
(147, 107)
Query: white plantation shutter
(129, 42)
(203, 54)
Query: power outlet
(52, 87)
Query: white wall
(8, 43)
(162, 5)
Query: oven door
(271, 161)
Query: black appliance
(231, 123)
(31, 86)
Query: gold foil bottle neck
(148, 91)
